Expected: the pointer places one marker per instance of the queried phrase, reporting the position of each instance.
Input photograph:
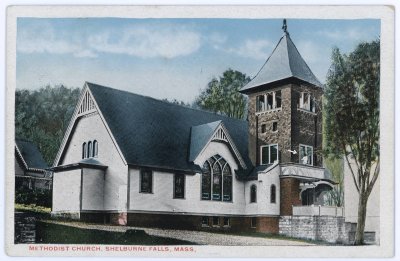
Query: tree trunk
(362, 213)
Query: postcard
(200, 131)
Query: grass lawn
(47, 233)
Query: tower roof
(284, 62)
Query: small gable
(202, 135)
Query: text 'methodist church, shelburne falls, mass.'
(133, 160)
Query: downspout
(257, 147)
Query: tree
(352, 119)
(222, 95)
(42, 116)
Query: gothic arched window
(216, 181)
(95, 148)
(89, 149)
(253, 193)
(273, 194)
(84, 150)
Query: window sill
(146, 192)
(202, 225)
(307, 111)
(179, 198)
(216, 200)
(268, 111)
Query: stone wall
(24, 228)
(323, 228)
(307, 126)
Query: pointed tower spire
(284, 63)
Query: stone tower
(285, 109)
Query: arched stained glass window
(216, 180)
(206, 181)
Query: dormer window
(306, 102)
(269, 101)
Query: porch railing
(300, 170)
(318, 211)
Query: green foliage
(352, 118)
(222, 95)
(33, 208)
(38, 197)
(42, 116)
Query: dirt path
(198, 237)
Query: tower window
(260, 100)
(89, 149)
(269, 154)
(307, 102)
(269, 101)
(275, 126)
(263, 128)
(306, 154)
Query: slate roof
(30, 154)
(285, 62)
(200, 136)
(156, 133)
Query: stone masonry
(321, 228)
(295, 126)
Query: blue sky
(169, 58)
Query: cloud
(148, 42)
(255, 49)
(349, 34)
(166, 41)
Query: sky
(170, 58)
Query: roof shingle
(155, 133)
(285, 62)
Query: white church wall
(66, 191)
(93, 189)
(263, 205)
(161, 200)
(372, 222)
(91, 128)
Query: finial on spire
(284, 26)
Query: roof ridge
(273, 51)
(163, 101)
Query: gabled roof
(285, 62)
(199, 137)
(155, 133)
(30, 155)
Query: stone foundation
(323, 228)
(66, 215)
(24, 228)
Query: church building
(133, 160)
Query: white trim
(269, 159)
(312, 154)
(75, 117)
(20, 155)
(222, 134)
